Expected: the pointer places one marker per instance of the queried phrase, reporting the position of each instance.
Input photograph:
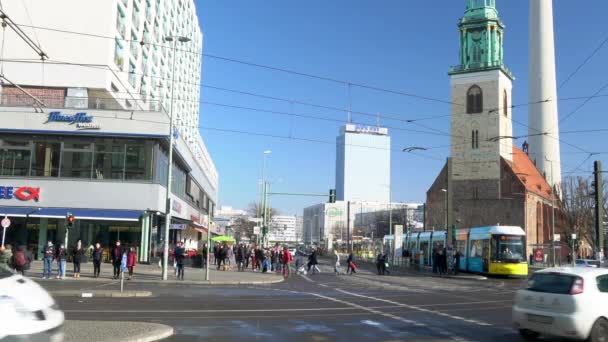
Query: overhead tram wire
(268, 67)
(496, 110)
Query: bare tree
(578, 209)
(243, 228)
(255, 210)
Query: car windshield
(508, 248)
(551, 283)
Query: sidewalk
(152, 274)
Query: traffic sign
(6, 222)
(256, 230)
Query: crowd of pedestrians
(243, 257)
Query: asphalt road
(321, 307)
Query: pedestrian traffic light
(332, 195)
(70, 220)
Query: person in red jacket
(286, 260)
(131, 260)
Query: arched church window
(475, 139)
(505, 103)
(474, 100)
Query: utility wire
(585, 61)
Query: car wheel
(529, 335)
(599, 332)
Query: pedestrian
(313, 262)
(442, 264)
(379, 263)
(205, 256)
(266, 263)
(6, 257)
(350, 262)
(20, 260)
(385, 265)
(97, 255)
(230, 255)
(456, 262)
(61, 254)
(435, 258)
(240, 258)
(179, 254)
(131, 261)
(49, 255)
(116, 257)
(77, 254)
(285, 261)
(569, 258)
(337, 268)
(259, 258)
(246, 256)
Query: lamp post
(552, 212)
(175, 40)
(446, 208)
(263, 206)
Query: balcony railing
(91, 102)
(120, 26)
(136, 21)
(480, 66)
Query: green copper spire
(481, 39)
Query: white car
(566, 302)
(28, 312)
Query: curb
(76, 331)
(101, 294)
(173, 282)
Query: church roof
(529, 175)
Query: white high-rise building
(117, 58)
(363, 164)
(542, 113)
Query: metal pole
(390, 223)
(169, 172)
(552, 215)
(208, 248)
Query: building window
(109, 159)
(76, 159)
(118, 54)
(138, 160)
(475, 139)
(505, 104)
(45, 160)
(474, 100)
(15, 157)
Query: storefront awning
(80, 214)
(201, 230)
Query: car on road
(28, 312)
(569, 302)
(587, 263)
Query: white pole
(208, 248)
(3, 236)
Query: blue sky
(393, 44)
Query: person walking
(313, 262)
(379, 263)
(246, 256)
(456, 262)
(131, 261)
(6, 257)
(441, 263)
(286, 261)
(20, 260)
(116, 256)
(77, 254)
(384, 267)
(179, 254)
(337, 268)
(205, 256)
(350, 262)
(259, 258)
(435, 258)
(61, 254)
(97, 255)
(49, 255)
(230, 255)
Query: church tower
(481, 126)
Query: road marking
(227, 310)
(417, 308)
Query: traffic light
(332, 195)
(70, 220)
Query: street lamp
(175, 40)
(264, 196)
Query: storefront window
(76, 159)
(109, 159)
(45, 159)
(138, 161)
(14, 157)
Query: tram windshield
(508, 248)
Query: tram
(494, 250)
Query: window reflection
(109, 159)
(76, 159)
(45, 160)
